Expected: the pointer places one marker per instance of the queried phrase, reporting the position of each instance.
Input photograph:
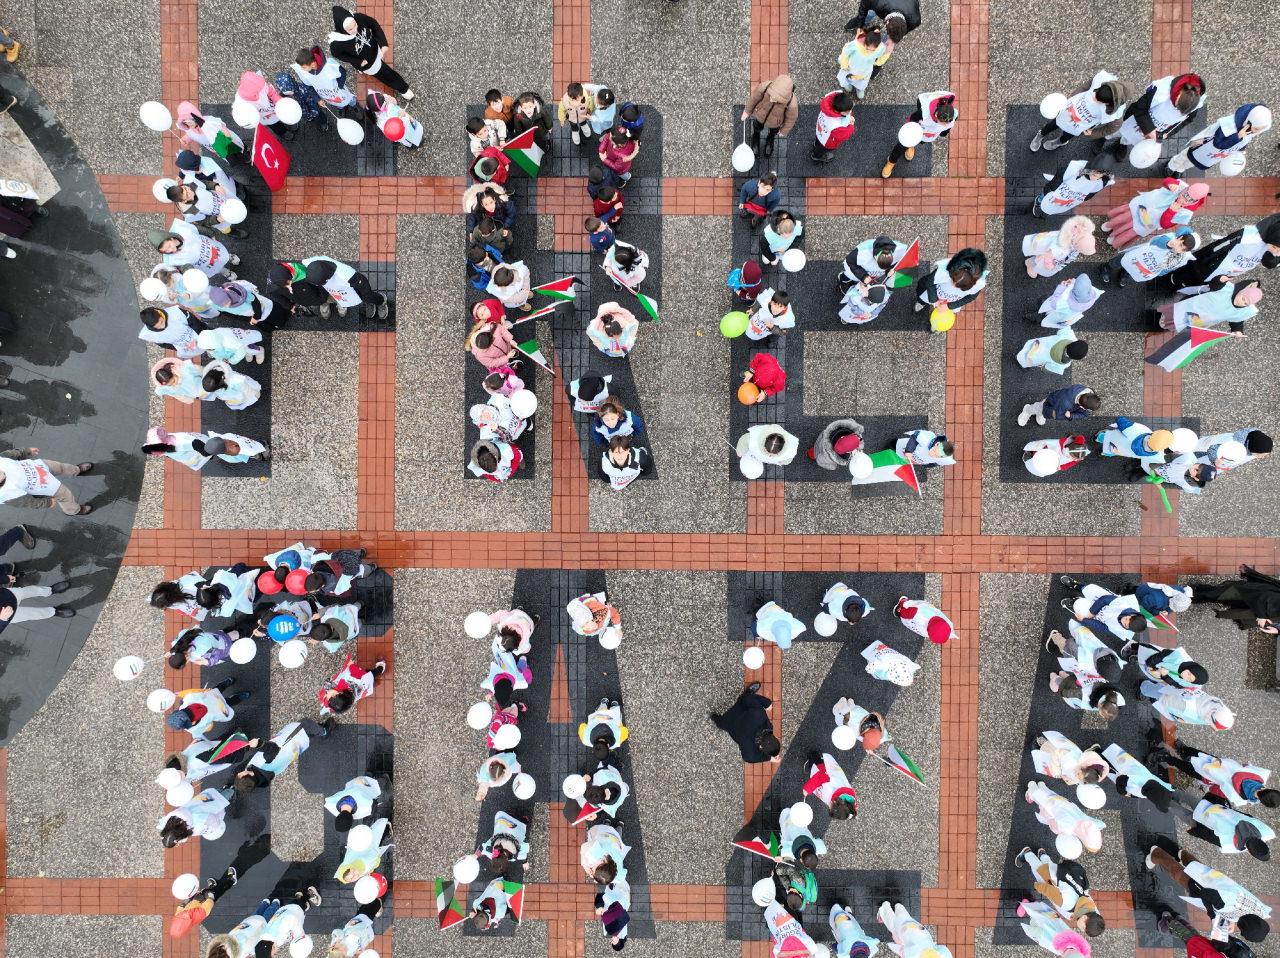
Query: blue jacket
(748, 194)
(503, 212)
(480, 277)
(601, 240)
(1062, 401)
(628, 425)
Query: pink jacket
(496, 354)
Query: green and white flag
(888, 466)
(525, 153)
(1187, 345)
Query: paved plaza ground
(368, 427)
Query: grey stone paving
(50, 761)
(431, 492)
(314, 388)
(684, 938)
(81, 936)
(423, 939)
(1115, 943)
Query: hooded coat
(774, 104)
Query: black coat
(910, 10)
(359, 51)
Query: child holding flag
(626, 265)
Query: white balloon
(289, 110)
(820, 951)
(611, 638)
(753, 658)
(180, 794)
(160, 700)
(751, 467)
(1045, 462)
(479, 716)
(910, 134)
(524, 403)
(194, 281)
(860, 464)
(245, 114)
(1145, 154)
(1234, 452)
(476, 625)
(743, 157)
(368, 953)
(1232, 164)
(360, 838)
(155, 116)
(184, 886)
(825, 624)
(1052, 105)
(506, 738)
(160, 189)
(168, 778)
(1069, 846)
(1091, 796)
(844, 737)
(128, 667)
(293, 653)
(466, 869)
(233, 211)
(574, 787)
(802, 814)
(1184, 440)
(152, 290)
(351, 132)
(763, 891)
(366, 889)
(301, 947)
(793, 260)
(243, 650)
(524, 786)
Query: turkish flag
(270, 157)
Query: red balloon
(296, 582)
(268, 584)
(394, 129)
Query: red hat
(296, 582)
(267, 583)
(847, 444)
(939, 630)
(751, 274)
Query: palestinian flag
(647, 303)
(895, 759)
(586, 812)
(886, 466)
(228, 748)
(538, 313)
(1187, 345)
(447, 905)
(223, 145)
(524, 153)
(650, 306)
(531, 349)
(764, 849)
(910, 260)
(561, 289)
(515, 899)
(1160, 620)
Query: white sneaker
(408, 95)
(342, 311)
(1024, 417)
(588, 132)
(575, 136)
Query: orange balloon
(748, 393)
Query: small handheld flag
(525, 153)
(1160, 620)
(561, 289)
(447, 906)
(909, 260)
(647, 303)
(886, 466)
(531, 349)
(585, 812)
(515, 899)
(900, 762)
(757, 846)
(1188, 345)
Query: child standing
(604, 107)
(1067, 304)
(622, 464)
(494, 460)
(396, 125)
(771, 313)
(498, 106)
(599, 234)
(779, 235)
(860, 56)
(1053, 353)
(574, 111)
(1047, 253)
(954, 282)
(1155, 258)
(758, 198)
(613, 331)
(936, 114)
(835, 125)
(485, 133)
(626, 265)
(1066, 190)
(614, 419)
(618, 151)
(1169, 205)
(607, 205)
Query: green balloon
(733, 325)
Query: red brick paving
(966, 196)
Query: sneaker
(326, 310)
(1036, 211)
(1069, 582)
(313, 896)
(379, 667)
(1151, 866)
(1025, 416)
(384, 310)
(231, 277)
(1124, 278)
(604, 703)
(235, 260)
(753, 687)
(408, 95)
(60, 587)
(11, 54)
(1068, 605)
(1050, 642)
(342, 311)
(1053, 144)
(1036, 142)
(886, 171)
(1107, 274)
(28, 540)
(85, 510)
(575, 136)
(64, 612)
(84, 467)
(919, 306)
(264, 456)
(910, 154)
(587, 133)
(238, 233)
(231, 874)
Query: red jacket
(767, 374)
(504, 166)
(840, 133)
(601, 209)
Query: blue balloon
(282, 628)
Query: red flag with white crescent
(270, 158)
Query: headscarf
(1227, 133)
(188, 111)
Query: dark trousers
(367, 294)
(819, 153)
(1052, 132)
(899, 151)
(387, 76)
(9, 539)
(756, 128)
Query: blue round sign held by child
(282, 628)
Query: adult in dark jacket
(747, 722)
(1252, 601)
(1232, 256)
(359, 42)
(900, 16)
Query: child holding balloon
(932, 119)
(392, 119)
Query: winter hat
(751, 274)
(187, 161)
(938, 630)
(1251, 294)
(156, 237)
(847, 444)
(1083, 295)
(1258, 442)
(1197, 191)
(1159, 440)
(882, 244)
(179, 721)
(214, 446)
(251, 84)
(228, 294)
